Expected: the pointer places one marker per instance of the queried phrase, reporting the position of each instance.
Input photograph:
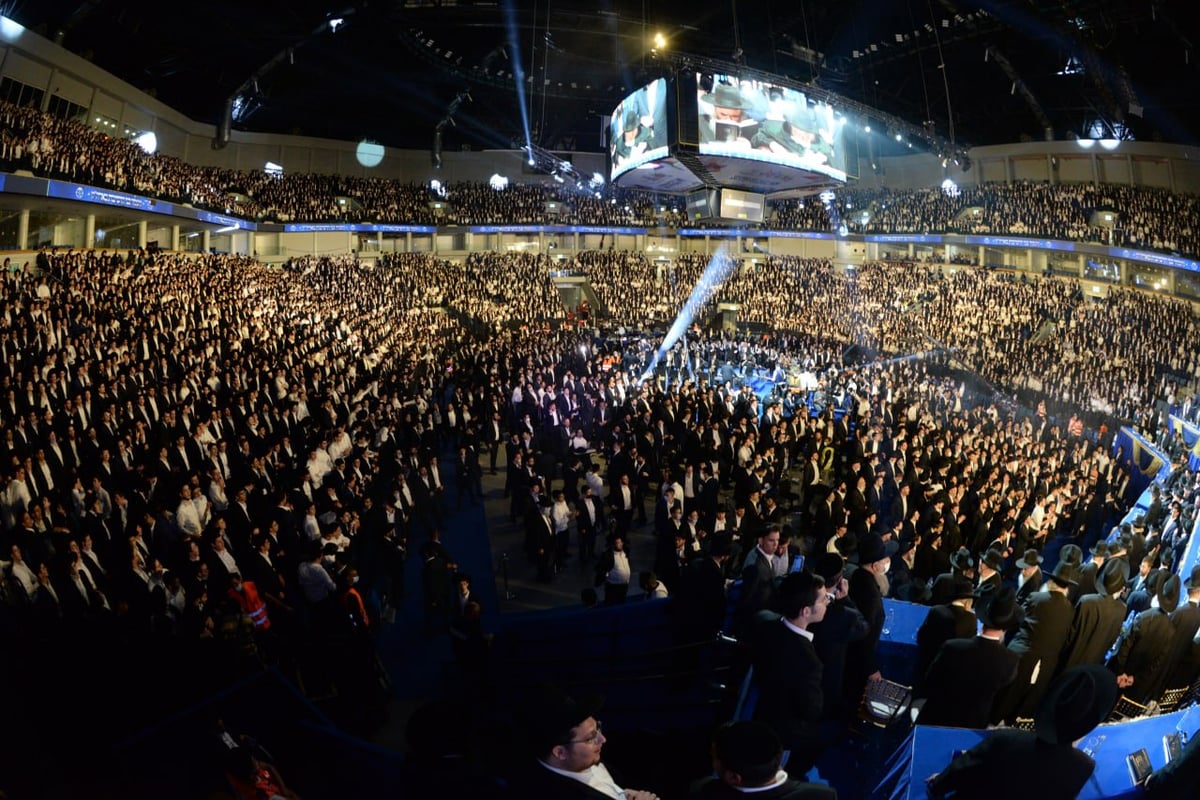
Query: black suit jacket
(537, 781)
(942, 623)
(1145, 653)
(861, 655)
(716, 789)
(1095, 626)
(963, 681)
(988, 770)
(788, 673)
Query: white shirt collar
(595, 776)
(778, 780)
(802, 631)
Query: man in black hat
(843, 624)
(966, 675)
(1089, 573)
(1186, 621)
(1143, 658)
(746, 758)
(1038, 642)
(962, 567)
(1098, 619)
(729, 121)
(868, 585)
(567, 740)
(991, 564)
(952, 620)
(1029, 575)
(1077, 702)
(788, 671)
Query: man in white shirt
(567, 742)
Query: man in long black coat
(1001, 765)
(1039, 642)
(967, 674)
(862, 663)
(843, 624)
(1098, 619)
(1145, 653)
(952, 620)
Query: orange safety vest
(354, 602)
(252, 605)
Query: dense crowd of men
(1143, 217)
(241, 467)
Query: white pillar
(23, 229)
(143, 230)
(89, 231)
(174, 237)
(205, 241)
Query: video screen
(637, 132)
(757, 120)
(742, 205)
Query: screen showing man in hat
(726, 116)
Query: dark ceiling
(392, 70)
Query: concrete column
(205, 241)
(143, 230)
(1095, 169)
(174, 237)
(982, 255)
(89, 231)
(1129, 163)
(23, 229)
(408, 242)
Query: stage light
(437, 187)
(899, 137)
(369, 153)
(10, 29)
(271, 168)
(498, 182)
(1110, 144)
(866, 128)
(950, 188)
(336, 23)
(660, 41)
(148, 142)
(1086, 144)
(597, 179)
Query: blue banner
(354, 227)
(225, 221)
(1019, 241)
(904, 238)
(1144, 461)
(106, 197)
(1155, 258)
(1191, 438)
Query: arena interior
(599, 400)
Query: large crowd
(239, 468)
(48, 145)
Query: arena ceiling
(1000, 70)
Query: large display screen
(742, 205)
(760, 121)
(637, 132)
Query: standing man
(967, 674)
(1098, 619)
(788, 671)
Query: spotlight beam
(510, 21)
(715, 274)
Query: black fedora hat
(871, 549)
(1168, 594)
(1030, 559)
(1114, 575)
(1077, 702)
(961, 589)
(725, 96)
(962, 560)
(1065, 574)
(996, 608)
(830, 567)
(1100, 549)
(1071, 553)
(1193, 580)
(993, 559)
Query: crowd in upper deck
(1149, 218)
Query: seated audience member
(746, 758)
(566, 742)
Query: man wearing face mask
(245, 594)
(868, 587)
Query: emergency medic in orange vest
(245, 593)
